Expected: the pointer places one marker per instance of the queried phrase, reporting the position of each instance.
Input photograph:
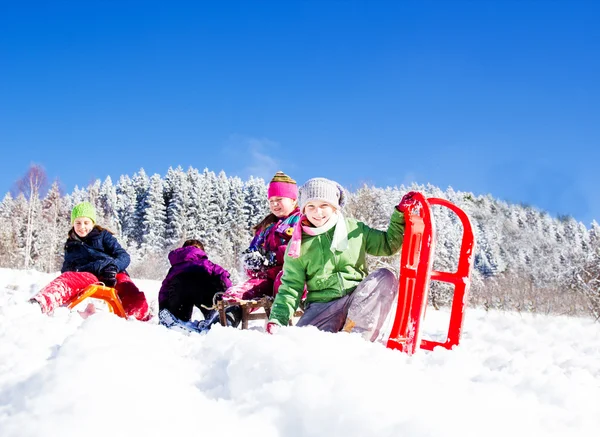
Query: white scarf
(340, 235)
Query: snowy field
(513, 375)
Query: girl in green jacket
(327, 253)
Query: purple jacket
(189, 259)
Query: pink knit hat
(283, 186)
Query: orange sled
(107, 294)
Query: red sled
(416, 274)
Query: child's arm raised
(386, 243)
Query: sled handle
(416, 274)
(461, 278)
(415, 271)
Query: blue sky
(498, 97)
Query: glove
(407, 200)
(272, 328)
(108, 275)
(253, 260)
(271, 259)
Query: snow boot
(233, 314)
(170, 321)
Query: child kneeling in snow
(192, 280)
(92, 255)
(328, 254)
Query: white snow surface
(512, 375)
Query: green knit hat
(83, 209)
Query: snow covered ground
(512, 375)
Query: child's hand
(108, 275)
(407, 200)
(253, 260)
(271, 259)
(272, 328)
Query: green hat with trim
(83, 209)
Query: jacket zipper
(335, 263)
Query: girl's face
(318, 212)
(281, 206)
(83, 226)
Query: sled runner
(416, 273)
(107, 294)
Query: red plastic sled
(415, 275)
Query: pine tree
(217, 210)
(194, 209)
(256, 205)
(594, 237)
(236, 228)
(208, 211)
(141, 185)
(79, 195)
(235, 221)
(93, 193)
(153, 224)
(485, 222)
(107, 206)
(19, 222)
(125, 208)
(176, 198)
(56, 224)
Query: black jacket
(93, 253)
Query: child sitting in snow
(192, 280)
(328, 254)
(92, 254)
(264, 258)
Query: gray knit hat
(322, 189)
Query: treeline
(525, 259)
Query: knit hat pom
(282, 186)
(83, 209)
(324, 190)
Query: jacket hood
(190, 254)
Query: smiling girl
(92, 254)
(263, 260)
(328, 254)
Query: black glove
(108, 275)
(271, 259)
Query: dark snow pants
(186, 291)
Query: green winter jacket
(327, 275)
